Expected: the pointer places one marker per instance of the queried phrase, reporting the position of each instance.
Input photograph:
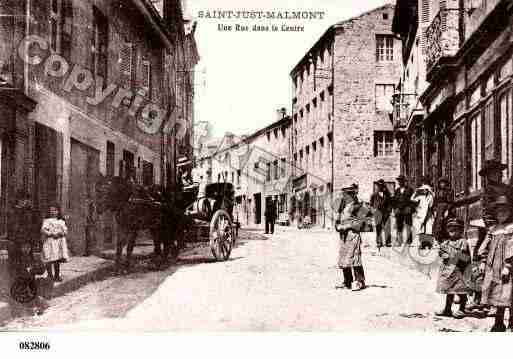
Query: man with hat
(403, 209)
(381, 203)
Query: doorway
(85, 168)
(258, 207)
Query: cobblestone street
(284, 282)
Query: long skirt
(452, 280)
(350, 249)
(55, 249)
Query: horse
(136, 208)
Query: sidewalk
(76, 273)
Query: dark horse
(136, 208)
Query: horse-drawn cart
(210, 218)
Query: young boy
(496, 255)
(455, 254)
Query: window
(145, 81)
(61, 24)
(111, 153)
(233, 177)
(283, 131)
(383, 96)
(295, 118)
(126, 64)
(321, 96)
(307, 108)
(283, 166)
(383, 143)
(238, 177)
(475, 152)
(100, 43)
(147, 173)
(384, 48)
(276, 171)
(489, 132)
(268, 172)
(301, 113)
(506, 127)
(385, 16)
(314, 102)
(275, 133)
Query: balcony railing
(442, 39)
(404, 105)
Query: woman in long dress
(422, 220)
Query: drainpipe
(27, 33)
(332, 125)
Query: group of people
(485, 272)
(419, 213)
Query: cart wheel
(221, 235)
(24, 290)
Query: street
(283, 282)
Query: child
(496, 255)
(55, 248)
(455, 254)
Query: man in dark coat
(403, 209)
(270, 215)
(381, 203)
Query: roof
(330, 31)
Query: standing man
(270, 215)
(403, 209)
(381, 203)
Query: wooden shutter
(424, 19)
(125, 64)
(443, 15)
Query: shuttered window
(425, 11)
(126, 55)
(443, 15)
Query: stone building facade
(468, 100)
(341, 107)
(101, 83)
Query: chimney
(281, 113)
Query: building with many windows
(257, 164)
(468, 99)
(341, 107)
(85, 88)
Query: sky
(243, 77)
